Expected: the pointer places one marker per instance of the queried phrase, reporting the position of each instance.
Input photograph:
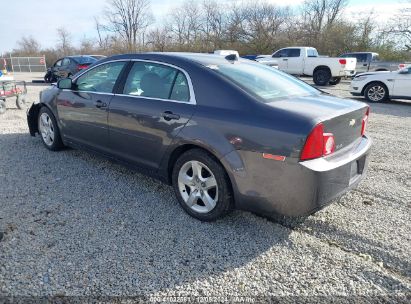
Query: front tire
(202, 186)
(376, 92)
(322, 76)
(48, 130)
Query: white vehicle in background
(227, 53)
(381, 86)
(306, 61)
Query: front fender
(32, 121)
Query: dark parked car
(225, 132)
(67, 67)
(250, 57)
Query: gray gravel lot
(74, 224)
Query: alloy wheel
(198, 186)
(46, 129)
(376, 93)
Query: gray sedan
(224, 132)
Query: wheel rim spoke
(210, 183)
(197, 168)
(192, 199)
(208, 201)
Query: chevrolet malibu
(224, 132)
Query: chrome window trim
(192, 100)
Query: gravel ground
(73, 224)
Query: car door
(56, 68)
(294, 61)
(155, 103)
(402, 83)
(362, 62)
(65, 68)
(83, 110)
(282, 59)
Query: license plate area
(357, 168)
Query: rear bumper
(346, 73)
(296, 188)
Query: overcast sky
(41, 18)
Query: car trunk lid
(342, 117)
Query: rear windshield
(264, 82)
(84, 59)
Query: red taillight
(365, 121)
(343, 61)
(82, 66)
(318, 144)
(401, 66)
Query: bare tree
(28, 46)
(400, 26)
(64, 41)
(129, 20)
(318, 16)
(103, 40)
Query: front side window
(100, 79)
(154, 80)
(58, 63)
(263, 82)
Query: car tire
(376, 92)
(48, 130)
(21, 101)
(322, 76)
(2, 107)
(335, 80)
(202, 186)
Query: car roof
(170, 57)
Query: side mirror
(65, 83)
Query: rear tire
(202, 186)
(2, 107)
(322, 76)
(21, 101)
(335, 80)
(376, 92)
(48, 130)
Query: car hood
(374, 73)
(317, 107)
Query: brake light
(82, 66)
(343, 61)
(401, 66)
(365, 121)
(318, 144)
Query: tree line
(251, 27)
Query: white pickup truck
(306, 61)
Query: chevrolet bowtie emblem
(352, 122)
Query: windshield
(264, 82)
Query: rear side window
(312, 53)
(361, 57)
(294, 52)
(100, 79)
(154, 80)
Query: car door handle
(365, 64)
(100, 104)
(168, 115)
(285, 59)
